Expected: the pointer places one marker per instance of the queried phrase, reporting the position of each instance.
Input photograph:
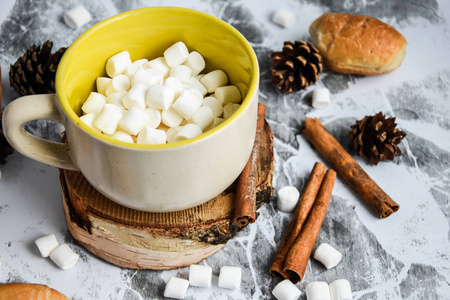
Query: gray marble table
(405, 256)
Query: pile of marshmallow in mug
(160, 101)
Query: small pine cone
(5, 147)
(296, 67)
(376, 138)
(34, 72)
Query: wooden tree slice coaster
(144, 240)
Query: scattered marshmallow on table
(203, 118)
(230, 277)
(77, 17)
(215, 106)
(214, 79)
(340, 290)
(64, 257)
(135, 97)
(283, 17)
(195, 62)
(327, 255)
(187, 131)
(286, 290)
(133, 121)
(94, 103)
(228, 94)
(317, 290)
(188, 103)
(108, 119)
(176, 54)
(288, 197)
(117, 63)
(200, 275)
(151, 136)
(176, 288)
(160, 96)
(321, 98)
(46, 244)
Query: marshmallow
(214, 105)
(171, 118)
(135, 97)
(196, 84)
(214, 79)
(154, 117)
(88, 119)
(181, 72)
(286, 290)
(116, 64)
(229, 277)
(119, 83)
(327, 255)
(171, 132)
(216, 122)
(158, 64)
(133, 121)
(188, 103)
(230, 109)
(108, 119)
(64, 257)
(176, 54)
(188, 131)
(116, 99)
(317, 290)
(151, 136)
(195, 62)
(200, 275)
(160, 96)
(122, 136)
(199, 76)
(77, 17)
(340, 290)
(203, 118)
(320, 98)
(175, 84)
(130, 70)
(228, 94)
(102, 83)
(283, 17)
(176, 288)
(94, 103)
(147, 77)
(46, 244)
(287, 198)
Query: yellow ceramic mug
(146, 177)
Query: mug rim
(63, 99)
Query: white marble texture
(405, 256)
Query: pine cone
(376, 138)
(5, 147)
(296, 67)
(34, 72)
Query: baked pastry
(29, 291)
(358, 44)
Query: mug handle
(36, 107)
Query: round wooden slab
(144, 240)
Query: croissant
(13, 291)
(358, 44)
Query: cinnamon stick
(349, 169)
(245, 204)
(299, 254)
(300, 215)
